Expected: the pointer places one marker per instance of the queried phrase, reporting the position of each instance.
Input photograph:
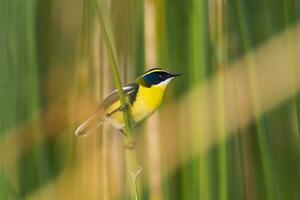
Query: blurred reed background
(228, 129)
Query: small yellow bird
(143, 97)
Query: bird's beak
(174, 75)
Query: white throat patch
(164, 83)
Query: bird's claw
(125, 107)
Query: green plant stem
(131, 160)
(272, 191)
(219, 41)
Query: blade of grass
(131, 160)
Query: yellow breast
(147, 101)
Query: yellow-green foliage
(227, 129)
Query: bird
(143, 97)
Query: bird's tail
(90, 125)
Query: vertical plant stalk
(198, 72)
(151, 11)
(131, 160)
(219, 39)
(271, 187)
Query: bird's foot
(125, 107)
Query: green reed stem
(264, 146)
(131, 160)
(219, 40)
(200, 180)
(110, 44)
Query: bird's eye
(161, 76)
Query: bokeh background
(228, 129)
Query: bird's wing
(96, 119)
(129, 90)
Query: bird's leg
(125, 107)
(130, 146)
